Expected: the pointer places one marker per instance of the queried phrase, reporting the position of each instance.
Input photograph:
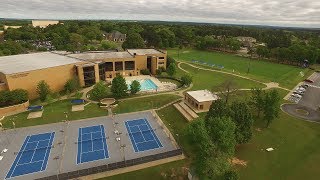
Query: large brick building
(56, 68)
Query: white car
(301, 89)
(296, 95)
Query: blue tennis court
(92, 144)
(142, 135)
(33, 155)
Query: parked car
(296, 95)
(308, 80)
(299, 92)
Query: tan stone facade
(103, 69)
(89, 72)
(56, 77)
(199, 106)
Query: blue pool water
(146, 85)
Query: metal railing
(112, 166)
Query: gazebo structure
(201, 100)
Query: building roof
(100, 55)
(29, 62)
(144, 51)
(203, 95)
(43, 23)
(116, 35)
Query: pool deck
(161, 86)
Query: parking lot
(306, 99)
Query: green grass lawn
(208, 79)
(54, 113)
(144, 103)
(296, 154)
(287, 76)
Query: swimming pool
(146, 85)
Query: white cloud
(304, 13)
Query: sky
(294, 13)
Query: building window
(160, 63)
(108, 66)
(161, 57)
(119, 66)
(201, 106)
(129, 65)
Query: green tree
(271, 106)
(135, 87)
(43, 90)
(170, 60)
(119, 86)
(231, 175)
(241, 116)
(72, 85)
(133, 40)
(186, 79)
(221, 132)
(218, 109)
(262, 51)
(77, 41)
(172, 69)
(257, 99)
(99, 91)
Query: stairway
(187, 113)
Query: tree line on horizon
(284, 45)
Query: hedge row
(9, 98)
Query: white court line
(142, 134)
(47, 150)
(145, 141)
(30, 162)
(80, 145)
(131, 137)
(104, 151)
(28, 137)
(152, 133)
(34, 151)
(92, 151)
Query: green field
(209, 80)
(54, 113)
(287, 76)
(144, 103)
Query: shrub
(158, 72)
(99, 91)
(43, 90)
(186, 79)
(172, 70)
(170, 60)
(145, 72)
(17, 96)
(135, 87)
(72, 85)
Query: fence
(113, 166)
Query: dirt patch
(236, 161)
(185, 51)
(258, 129)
